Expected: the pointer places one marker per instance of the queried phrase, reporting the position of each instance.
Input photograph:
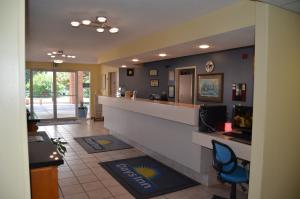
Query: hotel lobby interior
(170, 99)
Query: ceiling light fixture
(58, 61)
(124, 66)
(204, 46)
(75, 23)
(100, 29)
(162, 54)
(86, 22)
(135, 60)
(114, 30)
(102, 19)
(59, 55)
(100, 24)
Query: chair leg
(233, 191)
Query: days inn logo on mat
(139, 176)
(104, 142)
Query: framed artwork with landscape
(210, 87)
(154, 83)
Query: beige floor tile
(71, 190)
(99, 194)
(117, 190)
(74, 162)
(77, 196)
(82, 177)
(103, 176)
(94, 164)
(193, 193)
(82, 172)
(89, 159)
(126, 196)
(68, 181)
(159, 197)
(87, 178)
(63, 169)
(78, 166)
(65, 174)
(90, 186)
(110, 182)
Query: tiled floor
(81, 177)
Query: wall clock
(209, 66)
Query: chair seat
(239, 175)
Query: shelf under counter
(242, 150)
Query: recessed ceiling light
(58, 61)
(124, 66)
(73, 56)
(63, 55)
(162, 54)
(114, 30)
(102, 19)
(86, 22)
(54, 53)
(135, 60)
(100, 29)
(69, 56)
(49, 54)
(52, 56)
(75, 23)
(204, 46)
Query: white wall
(275, 161)
(14, 167)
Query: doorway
(185, 90)
(52, 95)
(112, 83)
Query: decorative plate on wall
(130, 72)
(209, 66)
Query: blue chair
(229, 171)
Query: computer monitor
(242, 118)
(212, 118)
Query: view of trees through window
(66, 93)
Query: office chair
(229, 171)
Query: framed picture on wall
(210, 87)
(153, 72)
(171, 75)
(171, 92)
(239, 91)
(154, 83)
(130, 72)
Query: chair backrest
(225, 160)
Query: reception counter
(168, 132)
(162, 130)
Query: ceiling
(229, 40)
(48, 24)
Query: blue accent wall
(236, 69)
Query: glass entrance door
(53, 94)
(42, 94)
(66, 94)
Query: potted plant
(60, 145)
(82, 111)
